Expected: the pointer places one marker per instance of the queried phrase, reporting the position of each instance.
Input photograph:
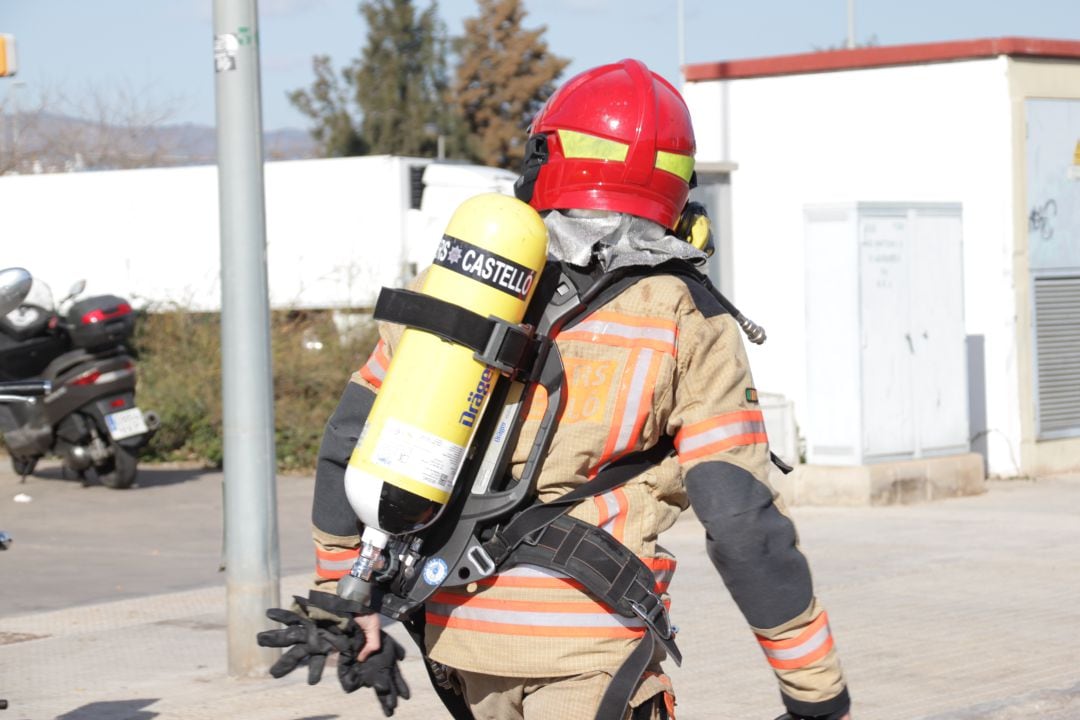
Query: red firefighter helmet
(617, 137)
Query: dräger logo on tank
(484, 266)
(475, 400)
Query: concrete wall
(930, 133)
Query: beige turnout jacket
(659, 359)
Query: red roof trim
(868, 57)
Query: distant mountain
(49, 142)
(201, 141)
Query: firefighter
(609, 166)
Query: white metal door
(939, 366)
(884, 297)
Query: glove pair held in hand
(312, 633)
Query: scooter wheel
(23, 466)
(118, 472)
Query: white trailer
(337, 230)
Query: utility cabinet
(886, 353)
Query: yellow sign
(8, 66)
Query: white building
(993, 125)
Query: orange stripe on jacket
(572, 618)
(632, 409)
(611, 328)
(585, 336)
(374, 370)
(637, 321)
(662, 568)
(533, 630)
(613, 522)
(573, 606)
(540, 583)
(334, 564)
(716, 434)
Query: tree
(389, 100)
(327, 103)
(401, 77)
(504, 76)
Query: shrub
(179, 364)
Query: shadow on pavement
(149, 476)
(117, 710)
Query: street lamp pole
(252, 565)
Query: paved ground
(112, 608)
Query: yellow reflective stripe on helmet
(591, 147)
(681, 165)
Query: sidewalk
(963, 608)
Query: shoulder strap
(535, 518)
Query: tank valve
(356, 585)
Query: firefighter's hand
(371, 627)
(378, 670)
(309, 639)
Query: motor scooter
(14, 286)
(88, 418)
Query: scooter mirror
(76, 288)
(14, 285)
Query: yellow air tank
(406, 461)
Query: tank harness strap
(534, 518)
(507, 347)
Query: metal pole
(17, 85)
(850, 24)
(251, 536)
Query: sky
(161, 51)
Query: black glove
(311, 638)
(380, 672)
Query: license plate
(126, 423)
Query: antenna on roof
(680, 34)
(850, 24)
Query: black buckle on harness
(510, 348)
(533, 538)
(656, 618)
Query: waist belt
(606, 567)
